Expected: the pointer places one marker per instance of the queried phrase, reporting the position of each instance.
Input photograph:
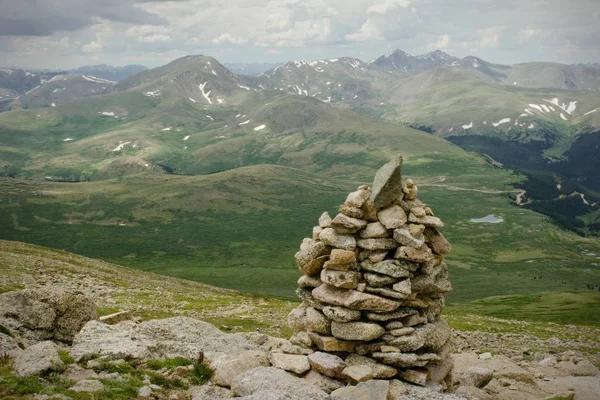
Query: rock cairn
(373, 286)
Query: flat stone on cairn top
(373, 287)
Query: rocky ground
(134, 354)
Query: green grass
(168, 363)
(65, 357)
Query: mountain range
(194, 171)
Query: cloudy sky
(70, 33)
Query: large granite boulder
(35, 315)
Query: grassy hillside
(161, 175)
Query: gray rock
(420, 255)
(374, 389)
(34, 315)
(309, 282)
(401, 360)
(297, 364)
(387, 293)
(327, 364)
(323, 382)
(264, 379)
(88, 385)
(477, 376)
(340, 279)
(402, 331)
(402, 286)
(392, 217)
(209, 392)
(325, 220)
(39, 358)
(145, 391)
(353, 299)
(374, 230)
(301, 339)
(403, 236)
(430, 337)
(377, 280)
(76, 373)
(375, 316)
(437, 242)
(312, 256)
(377, 244)
(164, 338)
(427, 220)
(227, 366)
(330, 237)
(345, 224)
(379, 371)
(352, 211)
(387, 185)
(358, 198)
(316, 231)
(317, 322)
(341, 314)
(394, 268)
(358, 373)
(363, 331)
(8, 345)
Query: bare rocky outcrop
(165, 338)
(34, 315)
(374, 279)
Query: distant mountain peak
(401, 60)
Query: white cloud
(387, 6)
(229, 38)
(368, 31)
(442, 43)
(489, 37)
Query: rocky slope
(131, 355)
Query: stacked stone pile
(373, 285)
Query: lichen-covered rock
(323, 382)
(353, 299)
(39, 358)
(227, 366)
(392, 217)
(374, 389)
(340, 279)
(345, 224)
(327, 364)
(363, 331)
(265, 379)
(374, 230)
(341, 314)
(330, 237)
(325, 220)
(387, 184)
(394, 268)
(403, 236)
(160, 338)
(34, 315)
(379, 371)
(297, 364)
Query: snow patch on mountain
(469, 126)
(205, 94)
(502, 121)
(121, 145)
(244, 123)
(260, 127)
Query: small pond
(490, 219)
